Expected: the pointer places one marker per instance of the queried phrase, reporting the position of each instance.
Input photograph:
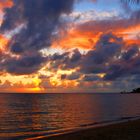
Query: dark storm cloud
(115, 71)
(130, 53)
(24, 65)
(67, 60)
(94, 61)
(110, 55)
(72, 76)
(106, 49)
(127, 65)
(40, 19)
(90, 78)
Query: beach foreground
(122, 131)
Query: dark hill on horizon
(137, 90)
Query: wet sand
(121, 131)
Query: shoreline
(97, 130)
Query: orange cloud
(19, 87)
(76, 39)
(3, 43)
(84, 36)
(6, 4)
(15, 83)
(131, 31)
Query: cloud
(79, 17)
(127, 56)
(83, 31)
(39, 20)
(90, 78)
(112, 24)
(8, 86)
(106, 49)
(111, 58)
(127, 65)
(5, 4)
(24, 65)
(72, 76)
(33, 25)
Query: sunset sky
(53, 46)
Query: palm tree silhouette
(132, 1)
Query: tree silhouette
(132, 1)
(137, 90)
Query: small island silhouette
(136, 90)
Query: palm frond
(132, 1)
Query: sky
(51, 46)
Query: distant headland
(136, 90)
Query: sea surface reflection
(29, 115)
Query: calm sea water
(29, 115)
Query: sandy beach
(121, 131)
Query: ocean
(24, 116)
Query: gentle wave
(85, 126)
